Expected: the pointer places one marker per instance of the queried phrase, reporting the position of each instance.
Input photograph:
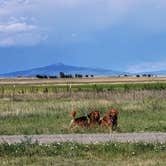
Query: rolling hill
(55, 69)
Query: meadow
(44, 109)
(115, 154)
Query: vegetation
(44, 109)
(62, 75)
(74, 154)
(38, 89)
(49, 113)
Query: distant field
(16, 91)
(24, 86)
(81, 80)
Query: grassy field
(43, 108)
(78, 154)
(49, 113)
(26, 86)
(80, 80)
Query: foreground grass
(78, 154)
(139, 112)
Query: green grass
(91, 87)
(141, 114)
(79, 154)
(36, 111)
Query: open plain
(34, 121)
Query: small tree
(144, 75)
(62, 75)
(39, 76)
(53, 77)
(137, 75)
(78, 75)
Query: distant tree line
(63, 75)
(139, 75)
(45, 76)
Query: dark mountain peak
(55, 65)
(59, 64)
(55, 69)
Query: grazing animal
(94, 117)
(110, 120)
(80, 121)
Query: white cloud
(23, 39)
(147, 67)
(16, 27)
(16, 7)
(17, 24)
(7, 41)
(17, 32)
(61, 18)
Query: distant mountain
(54, 69)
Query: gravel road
(87, 138)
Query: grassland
(48, 113)
(26, 86)
(30, 107)
(81, 80)
(78, 154)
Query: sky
(120, 35)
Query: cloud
(23, 39)
(7, 41)
(60, 19)
(17, 24)
(147, 67)
(16, 27)
(14, 7)
(19, 33)
(85, 18)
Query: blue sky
(121, 35)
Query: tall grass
(49, 88)
(45, 109)
(139, 111)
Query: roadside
(87, 138)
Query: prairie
(48, 113)
(43, 108)
(81, 80)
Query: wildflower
(58, 143)
(133, 153)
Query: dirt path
(87, 138)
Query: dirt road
(87, 138)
